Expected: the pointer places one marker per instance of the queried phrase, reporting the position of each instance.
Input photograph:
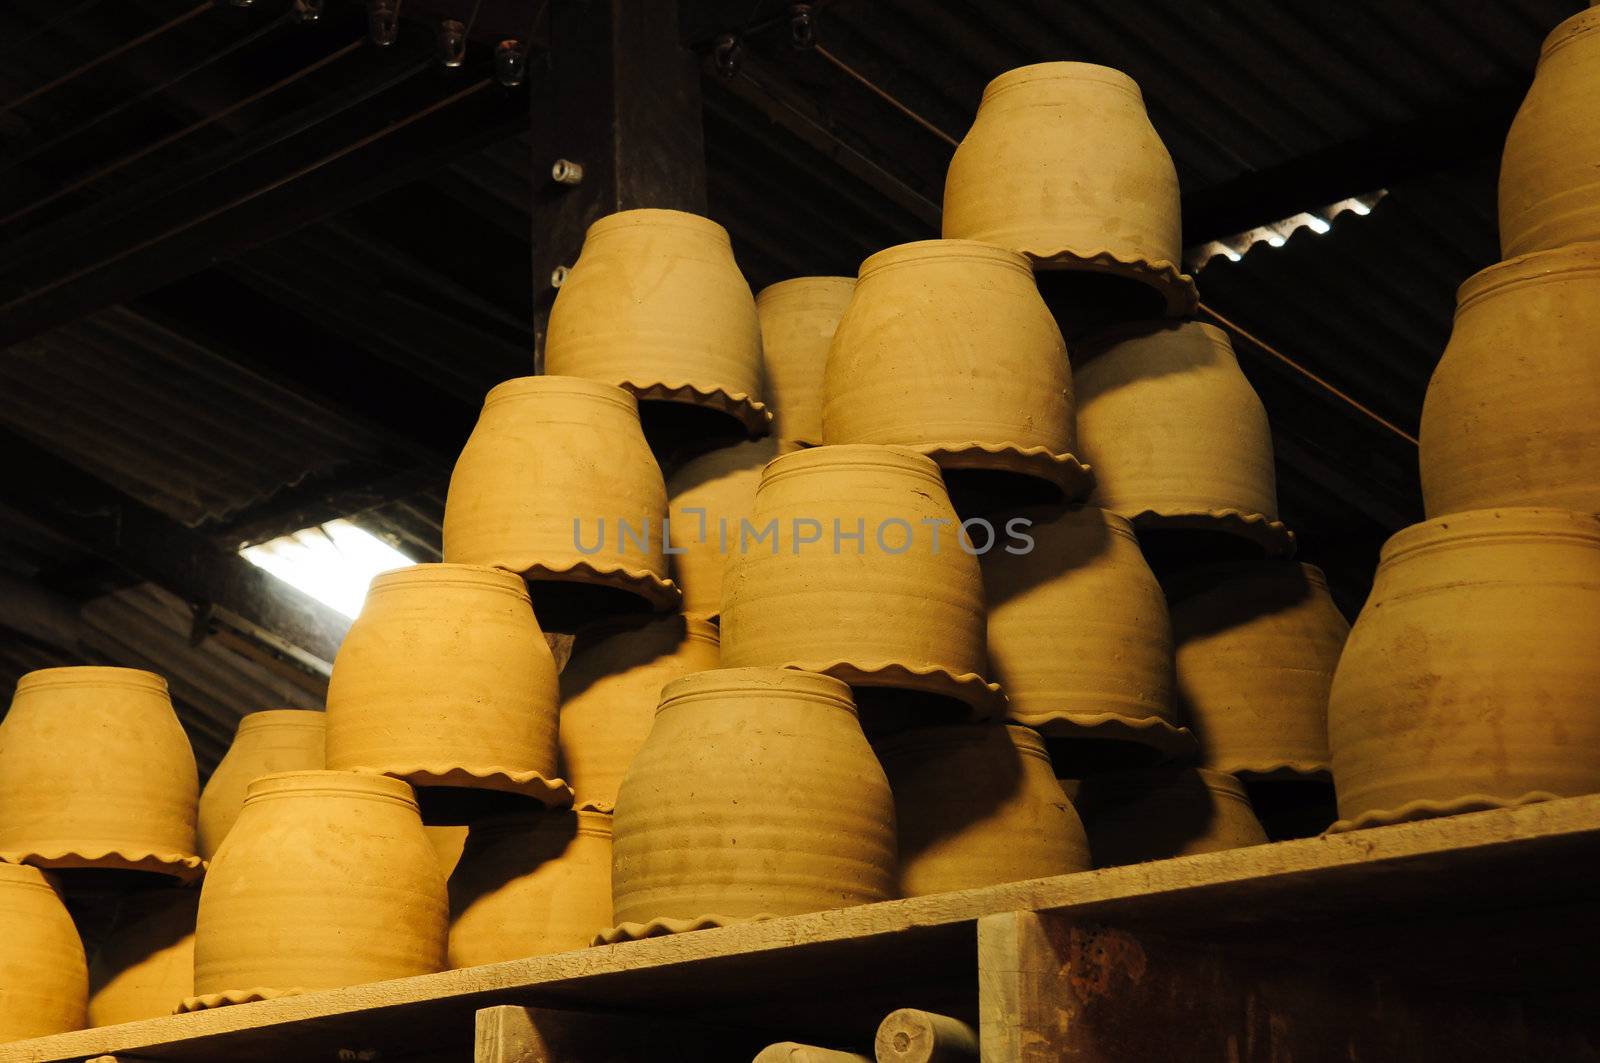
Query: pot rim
(1114, 335)
(451, 574)
(656, 217)
(758, 681)
(1534, 267)
(255, 721)
(944, 251)
(528, 387)
(1568, 30)
(330, 782)
(1061, 70)
(851, 456)
(25, 875)
(92, 675)
(794, 286)
(1542, 524)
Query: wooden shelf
(1497, 902)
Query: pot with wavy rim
(798, 319)
(707, 498)
(41, 958)
(1156, 813)
(265, 742)
(145, 967)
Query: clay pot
(657, 305)
(609, 693)
(528, 885)
(1508, 419)
(41, 959)
(905, 612)
(978, 805)
(1157, 813)
(326, 880)
(1470, 679)
(755, 795)
(96, 772)
(1257, 642)
(708, 497)
(1063, 164)
(558, 484)
(447, 842)
(1078, 632)
(947, 348)
(266, 742)
(1177, 436)
(145, 968)
(1548, 193)
(445, 680)
(798, 318)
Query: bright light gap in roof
(1276, 234)
(331, 562)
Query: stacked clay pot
(42, 965)
(798, 319)
(266, 742)
(96, 772)
(145, 968)
(1156, 813)
(708, 497)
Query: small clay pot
(531, 884)
(1156, 813)
(798, 318)
(96, 772)
(265, 742)
(41, 959)
(708, 497)
(145, 968)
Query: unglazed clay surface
(707, 499)
(145, 968)
(1158, 813)
(798, 319)
(266, 742)
(41, 959)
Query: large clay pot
(1078, 632)
(528, 885)
(96, 772)
(1177, 436)
(900, 607)
(326, 880)
(445, 680)
(610, 690)
(1257, 642)
(266, 742)
(1549, 195)
(1509, 415)
(756, 794)
(1062, 164)
(1157, 813)
(798, 318)
(978, 805)
(947, 348)
(145, 968)
(708, 497)
(558, 484)
(657, 305)
(41, 959)
(1470, 679)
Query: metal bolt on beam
(558, 276)
(566, 172)
(452, 43)
(307, 10)
(383, 22)
(510, 63)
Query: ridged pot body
(265, 743)
(798, 319)
(528, 885)
(1170, 424)
(445, 669)
(1078, 623)
(609, 693)
(755, 794)
(145, 968)
(1158, 813)
(41, 959)
(1062, 161)
(947, 343)
(978, 805)
(656, 298)
(326, 880)
(553, 459)
(1471, 674)
(1257, 643)
(1549, 188)
(93, 760)
(1509, 415)
(707, 498)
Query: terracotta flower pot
(528, 885)
(947, 348)
(266, 742)
(326, 880)
(145, 968)
(558, 484)
(1548, 193)
(708, 497)
(1158, 813)
(1063, 164)
(1470, 679)
(445, 680)
(798, 318)
(1257, 643)
(1078, 632)
(96, 772)
(978, 805)
(1508, 419)
(1177, 436)
(41, 959)
(755, 795)
(657, 305)
(609, 693)
(904, 612)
